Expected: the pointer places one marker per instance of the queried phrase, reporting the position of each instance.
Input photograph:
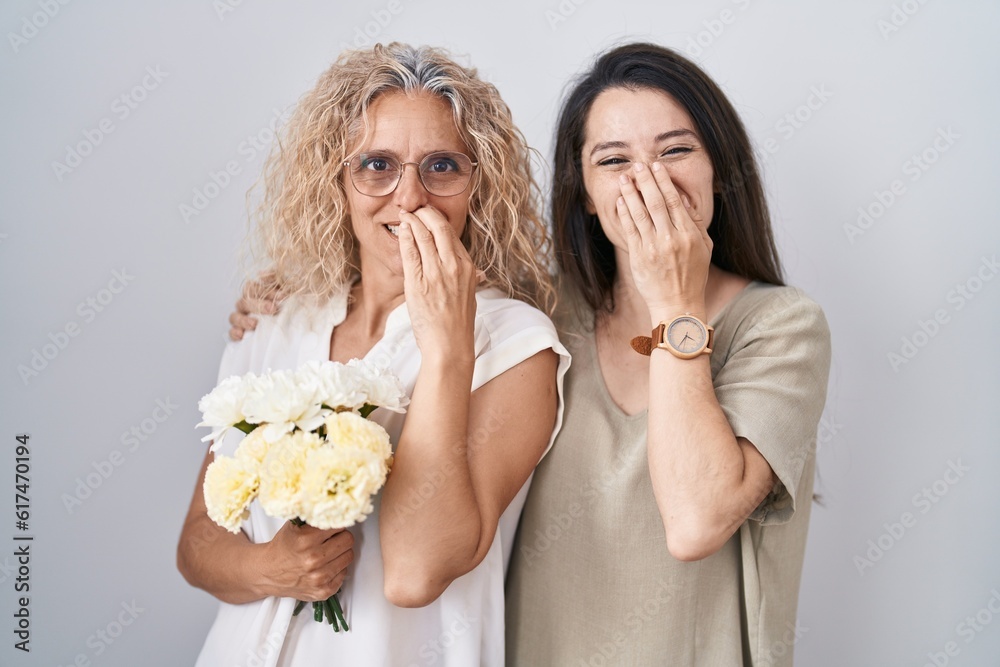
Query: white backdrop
(876, 123)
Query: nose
(410, 193)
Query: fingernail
(621, 201)
(623, 179)
(638, 167)
(657, 166)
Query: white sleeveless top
(462, 628)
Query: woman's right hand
(307, 563)
(261, 296)
(439, 280)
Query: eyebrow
(660, 137)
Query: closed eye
(613, 162)
(676, 150)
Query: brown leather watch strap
(645, 344)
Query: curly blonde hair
(303, 220)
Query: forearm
(430, 520)
(704, 483)
(224, 565)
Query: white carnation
(224, 406)
(253, 448)
(281, 474)
(348, 429)
(381, 386)
(230, 486)
(338, 486)
(340, 386)
(283, 400)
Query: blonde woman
(401, 220)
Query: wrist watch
(685, 337)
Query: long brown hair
(740, 227)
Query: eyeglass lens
(443, 174)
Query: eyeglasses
(444, 174)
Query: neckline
(598, 376)
(339, 304)
(596, 360)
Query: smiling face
(407, 127)
(628, 126)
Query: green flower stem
(335, 601)
(298, 607)
(331, 615)
(317, 612)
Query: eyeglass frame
(420, 177)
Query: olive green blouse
(591, 582)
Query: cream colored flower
(281, 474)
(253, 448)
(348, 429)
(338, 486)
(230, 486)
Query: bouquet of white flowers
(310, 456)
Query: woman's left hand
(439, 280)
(669, 251)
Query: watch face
(686, 335)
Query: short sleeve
(239, 355)
(512, 332)
(233, 361)
(772, 388)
